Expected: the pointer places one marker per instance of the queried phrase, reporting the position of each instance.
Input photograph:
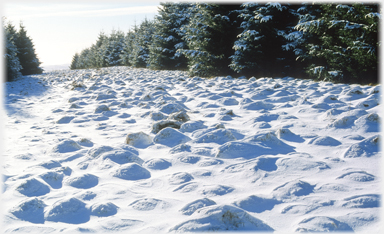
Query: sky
(59, 29)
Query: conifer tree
(347, 45)
(26, 53)
(209, 36)
(167, 38)
(140, 46)
(75, 61)
(259, 48)
(13, 66)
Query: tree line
(331, 42)
(20, 56)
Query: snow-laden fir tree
(168, 37)
(13, 66)
(26, 53)
(140, 45)
(113, 47)
(259, 50)
(209, 36)
(346, 48)
(126, 54)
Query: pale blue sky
(59, 29)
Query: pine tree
(126, 54)
(140, 45)
(167, 38)
(259, 49)
(26, 53)
(347, 45)
(209, 36)
(74, 63)
(11, 59)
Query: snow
(143, 151)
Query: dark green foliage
(167, 38)
(26, 53)
(345, 44)
(209, 36)
(11, 59)
(259, 48)
(335, 42)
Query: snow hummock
(141, 151)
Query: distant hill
(56, 67)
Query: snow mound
(85, 181)
(171, 108)
(112, 224)
(50, 164)
(103, 210)
(322, 224)
(180, 148)
(65, 119)
(148, 204)
(216, 190)
(219, 136)
(325, 141)
(180, 116)
(180, 178)
(70, 210)
(33, 187)
(366, 148)
(54, 179)
(96, 152)
(160, 125)
(363, 201)
(270, 140)
(189, 159)
(258, 105)
(256, 204)
(170, 137)
(105, 96)
(122, 157)
(368, 123)
(138, 139)
(191, 126)
(31, 210)
(210, 162)
(191, 207)
(101, 109)
(157, 164)
(156, 116)
(132, 171)
(222, 218)
(299, 164)
(236, 149)
(66, 146)
(293, 188)
(228, 101)
(288, 135)
(359, 176)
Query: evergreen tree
(259, 49)
(167, 38)
(140, 45)
(347, 45)
(75, 61)
(114, 49)
(26, 53)
(209, 36)
(126, 54)
(13, 66)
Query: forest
(331, 42)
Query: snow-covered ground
(141, 151)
